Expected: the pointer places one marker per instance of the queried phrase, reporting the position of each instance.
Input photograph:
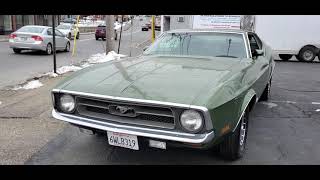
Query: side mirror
(258, 52)
(145, 48)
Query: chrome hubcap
(243, 130)
(49, 49)
(307, 55)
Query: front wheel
(69, 36)
(233, 147)
(67, 49)
(78, 36)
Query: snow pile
(65, 69)
(30, 85)
(318, 110)
(102, 57)
(0, 102)
(315, 102)
(51, 74)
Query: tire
(78, 36)
(285, 57)
(266, 92)
(49, 49)
(97, 38)
(103, 39)
(67, 49)
(17, 51)
(307, 54)
(234, 145)
(69, 36)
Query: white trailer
(290, 35)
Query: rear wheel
(15, 50)
(285, 57)
(266, 93)
(233, 147)
(49, 49)
(307, 54)
(97, 38)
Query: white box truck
(290, 35)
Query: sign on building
(216, 21)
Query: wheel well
(310, 45)
(252, 102)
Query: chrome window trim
(138, 131)
(204, 110)
(247, 42)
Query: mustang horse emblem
(123, 109)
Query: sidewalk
(26, 122)
(4, 38)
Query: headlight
(67, 103)
(191, 120)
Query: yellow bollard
(74, 38)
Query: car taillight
(12, 36)
(37, 38)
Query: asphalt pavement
(284, 130)
(16, 68)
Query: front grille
(137, 114)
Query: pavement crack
(282, 153)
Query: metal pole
(131, 36)
(120, 34)
(152, 29)
(54, 44)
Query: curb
(4, 40)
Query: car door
(261, 63)
(60, 41)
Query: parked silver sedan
(37, 38)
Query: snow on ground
(65, 69)
(269, 104)
(102, 57)
(315, 102)
(0, 102)
(51, 74)
(318, 110)
(30, 85)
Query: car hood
(169, 79)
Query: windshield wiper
(226, 56)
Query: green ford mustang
(190, 88)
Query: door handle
(264, 66)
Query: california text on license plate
(123, 140)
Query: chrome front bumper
(138, 131)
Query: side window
(49, 32)
(253, 43)
(58, 33)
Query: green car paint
(225, 86)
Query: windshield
(211, 44)
(31, 29)
(63, 26)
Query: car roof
(37, 26)
(208, 30)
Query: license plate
(123, 140)
(23, 38)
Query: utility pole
(153, 36)
(109, 32)
(120, 34)
(131, 36)
(54, 44)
